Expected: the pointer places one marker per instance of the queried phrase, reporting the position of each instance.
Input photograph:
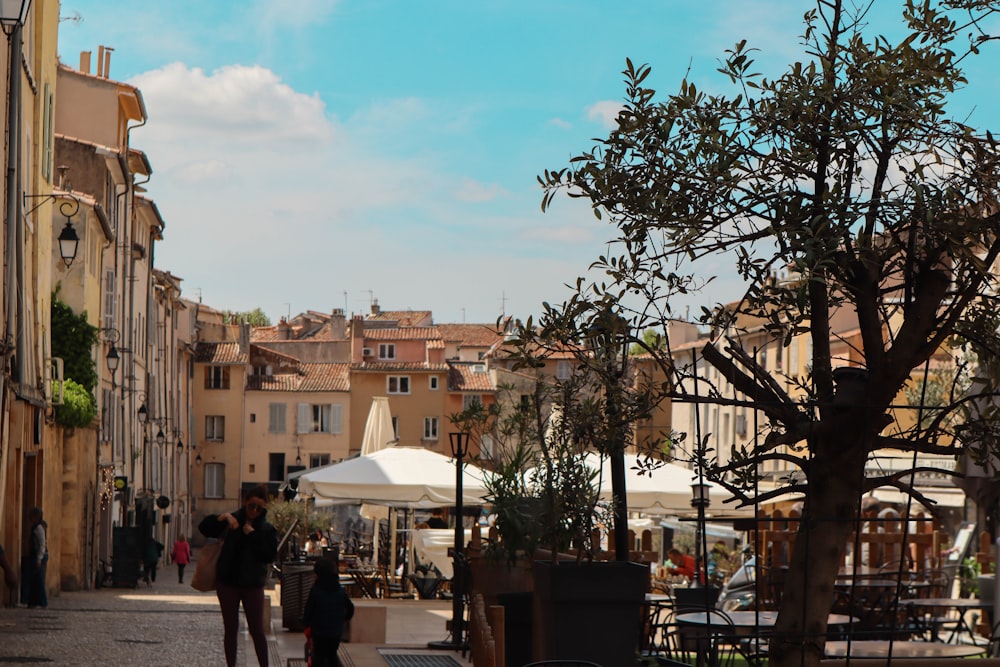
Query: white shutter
(304, 424)
(336, 418)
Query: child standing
(327, 608)
(182, 556)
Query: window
(470, 400)
(276, 418)
(317, 460)
(109, 298)
(215, 480)
(48, 128)
(486, 446)
(215, 428)
(564, 370)
(399, 384)
(432, 383)
(430, 428)
(276, 467)
(217, 377)
(320, 418)
(386, 351)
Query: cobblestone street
(170, 624)
(167, 624)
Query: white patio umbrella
(379, 432)
(410, 477)
(666, 490)
(377, 435)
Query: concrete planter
(589, 611)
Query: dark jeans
(150, 567)
(324, 652)
(252, 598)
(33, 591)
(180, 573)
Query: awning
(711, 529)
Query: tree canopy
(840, 187)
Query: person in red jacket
(683, 563)
(181, 554)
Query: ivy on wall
(73, 339)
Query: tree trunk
(836, 475)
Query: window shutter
(304, 424)
(225, 377)
(208, 377)
(336, 418)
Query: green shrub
(78, 408)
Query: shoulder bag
(204, 568)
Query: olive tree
(847, 177)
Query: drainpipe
(12, 314)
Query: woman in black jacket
(249, 545)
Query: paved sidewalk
(171, 624)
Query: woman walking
(181, 555)
(249, 545)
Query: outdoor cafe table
(961, 605)
(872, 648)
(367, 581)
(747, 619)
(740, 622)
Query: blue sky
(317, 154)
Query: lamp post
(609, 338)
(459, 448)
(700, 500)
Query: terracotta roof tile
(312, 377)
(470, 376)
(474, 335)
(403, 333)
(227, 353)
(263, 334)
(326, 377)
(406, 318)
(395, 366)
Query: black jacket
(244, 559)
(327, 607)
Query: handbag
(204, 569)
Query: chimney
(284, 331)
(85, 62)
(107, 62)
(376, 309)
(100, 61)
(338, 325)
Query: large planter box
(589, 611)
(495, 578)
(509, 586)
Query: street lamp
(68, 239)
(608, 339)
(700, 500)
(459, 448)
(13, 13)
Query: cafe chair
(993, 647)
(716, 644)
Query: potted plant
(581, 608)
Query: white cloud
(559, 122)
(246, 104)
(474, 191)
(605, 112)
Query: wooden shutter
(336, 418)
(304, 424)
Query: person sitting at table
(683, 564)
(436, 520)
